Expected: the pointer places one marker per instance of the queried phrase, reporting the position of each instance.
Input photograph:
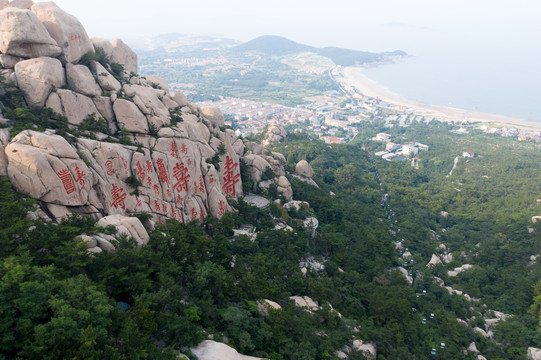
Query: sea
(482, 67)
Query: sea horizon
(486, 71)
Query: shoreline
(353, 77)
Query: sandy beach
(352, 76)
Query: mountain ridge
(277, 45)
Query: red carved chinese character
(125, 163)
(174, 149)
(169, 193)
(157, 205)
(194, 214)
(67, 181)
(156, 189)
(118, 197)
(160, 220)
(162, 171)
(202, 215)
(139, 204)
(201, 184)
(149, 181)
(221, 211)
(189, 162)
(230, 178)
(184, 149)
(140, 171)
(164, 208)
(179, 215)
(211, 180)
(109, 167)
(180, 173)
(173, 213)
(80, 178)
(195, 186)
(149, 166)
(179, 199)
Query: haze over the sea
(481, 55)
(491, 70)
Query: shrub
(91, 123)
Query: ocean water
(490, 68)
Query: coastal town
(334, 123)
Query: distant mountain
(277, 45)
(273, 45)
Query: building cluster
(398, 152)
(250, 117)
(512, 132)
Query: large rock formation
(130, 158)
(22, 34)
(212, 350)
(304, 172)
(37, 78)
(67, 31)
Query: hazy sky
(316, 22)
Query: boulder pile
(154, 152)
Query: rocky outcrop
(304, 169)
(534, 353)
(38, 77)
(80, 79)
(122, 54)
(182, 171)
(105, 79)
(458, 270)
(212, 350)
(129, 226)
(304, 172)
(264, 305)
(274, 134)
(74, 106)
(129, 117)
(435, 260)
(305, 302)
(368, 349)
(66, 30)
(214, 115)
(22, 34)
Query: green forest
(193, 282)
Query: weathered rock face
(534, 353)
(80, 79)
(129, 226)
(304, 172)
(67, 31)
(22, 34)
(105, 79)
(214, 115)
(20, 4)
(76, 107)
(37, 77)
(304, 169)
(274, 134)
(47, 168)
(182, 172)
(122, 54)
(212, 350)
(157, 82)
(129, 117)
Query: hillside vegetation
(190, 282)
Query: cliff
(84, 133)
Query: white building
(409, 150)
